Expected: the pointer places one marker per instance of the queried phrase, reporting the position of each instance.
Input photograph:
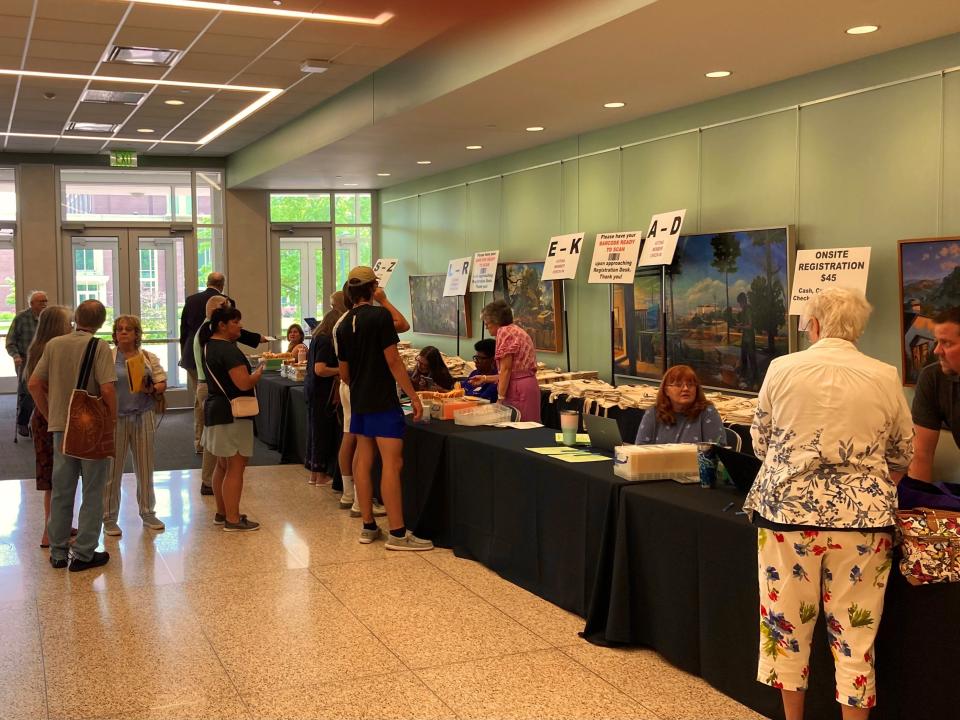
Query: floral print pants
(848, 571)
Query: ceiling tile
(369, 56)
(71, 31)
(210, 75)
(37, 124)
(174, 19)
(296, 51)
(107, 13)
(251, 26)
(157, 37)
(218, 44)
(226, 65)
(126, 70)
(60, 66)
(82, 52)
(19, 8)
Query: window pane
(364, 208)
(8, 304)
(354, 246)
(209, 253)
(209, 198)
(346, 208)
(290, 287)
(8, 195)
(300, 207)
(126, 195)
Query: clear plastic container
(489, 414)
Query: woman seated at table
(431, 372)
(682, 414)
(295, 344)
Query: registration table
(679, 575)
(272, 397)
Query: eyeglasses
(687, 384)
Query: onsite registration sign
(816, 270)
(563, 255)
(458, 273)
(661, 240)
(484, 271)
(383, 269)
(615, 257)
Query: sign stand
(566, 323)
(458, 326)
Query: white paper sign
(484, 271)
(615, 257)
(458, 272)
(563, 255)
(661, 239)
(383, 269)
(817, 270)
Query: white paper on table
(269, 338)
(520, 425)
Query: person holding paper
(516, 360)
(682, 413)
(833, 430)
(936, 399)
(431, 372)
(140, 380)
(486, 368)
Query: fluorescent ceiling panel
(270, 12)
(156, 57)
(266, 95)
(118, 97)
(93, 127)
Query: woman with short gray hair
(835, 435)
(516, 358)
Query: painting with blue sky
(726, 308)
(929, 283)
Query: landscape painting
(434, 314)
(726, 309)
(637, 327)
(536, 303)
(929, 283)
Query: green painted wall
(868, 168)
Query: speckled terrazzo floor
(296, 621)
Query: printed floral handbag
(930, 543)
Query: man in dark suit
(192, 317)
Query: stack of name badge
(656, 462)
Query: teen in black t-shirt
(370, 364)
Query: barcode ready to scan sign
(615, 257)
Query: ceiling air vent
(156, 57)
(92, 127)
(115, 97)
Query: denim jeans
(66, 472)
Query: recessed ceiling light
(383, 174)
(144, 130)
(92, 127)
(351, 184)
(614, 104)
(474, 147)
(156, 57)
(173, 102)
(113, 97)
(718, 74)
(424, 162)
(534, 128)
(275, 12)
(862, 29)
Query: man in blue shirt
(486, 367)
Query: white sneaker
(346, 503)
(378, 510)
(409, 542)
(368, 536)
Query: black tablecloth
(681, 577)
(272, 396)
(536, 521)
(427, 508)
(293, 444)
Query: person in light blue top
(682, 413)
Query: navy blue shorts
(385, 424)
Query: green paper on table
(581, 457)
(554, 450)
(582, 438)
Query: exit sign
(123, 158)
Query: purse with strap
(928, 530)
(89, 430)
(243, 406)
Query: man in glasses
(486, 368)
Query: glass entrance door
(138, 272)
(305, 279)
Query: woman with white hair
(835, 435)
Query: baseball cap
(361, 275)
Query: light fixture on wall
(616, 104)
(383, 174)
(535, 128)
(474, 147)
(262, 11)
(718, 74)
(862, 29)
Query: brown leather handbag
(89, 431)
